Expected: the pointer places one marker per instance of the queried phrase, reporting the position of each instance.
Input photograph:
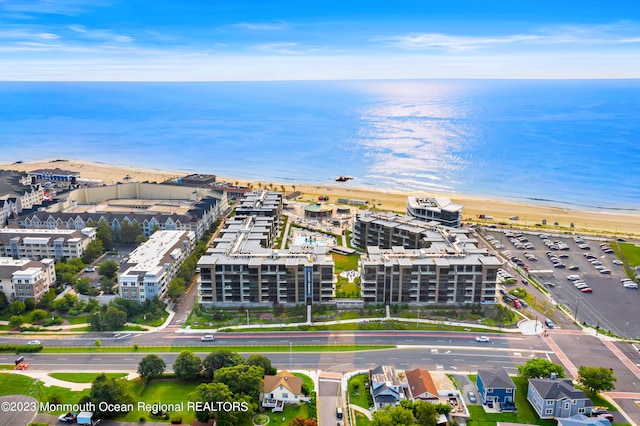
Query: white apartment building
(21, 279)
(438, 209)
(152, 265)
(45, 243)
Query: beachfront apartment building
(57, 174)
(45, 243)
(260, 203)
(242, 268)
(22, 279)
(17, 195)
(427, 276)
(152, 265)
(152, 206)
(438, 209)
(386, 230)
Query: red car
(587, 290)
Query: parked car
(472, 397)
(617, 262)
(587, 290)
(67, 418)
(549, 323)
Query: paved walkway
(361, 410)
(624, 395)
(50, 381)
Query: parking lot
(610, 305)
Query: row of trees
(594, 379)
(410, 413)
(232, 378)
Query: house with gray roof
(557, 398)
(385, 386)
(495, 387)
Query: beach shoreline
(606, 221)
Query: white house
(283, 388)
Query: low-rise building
(45, 243)
(421, 386)
(152, 265)
(21, 279)
(385, 386)
(438, 209)
(497, 388)
(281, 389)
(57, 174)
(17, 195)
(557, 398)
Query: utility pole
(290, 355)
(575, 317)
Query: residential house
(385, 386)
(496, 387)
(421, 386)
(557, 398)
(281, 389)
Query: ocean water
(570, 143)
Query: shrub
(142, 419)
(20, 348)
(176, 420)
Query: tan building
(21, 279)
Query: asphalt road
(171, 338)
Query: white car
(617, 262)
(208, 338)
(631, 285)
(482, 339)
(581, 286)
(34, 342)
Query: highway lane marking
(458, 359)
(517, 354)
(61, 359)
(434, 351)
(439, 367)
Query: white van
(573, 277)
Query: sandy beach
(611, 223)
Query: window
(509, 390)
(548, 411)
(574, 402)
(581, 410)
(549, 402)
(285, 395)
(489, 389)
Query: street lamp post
(99, 319)
(290, 355)
(575, 317)
(247, 316)
(418, 319)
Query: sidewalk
(50, 381)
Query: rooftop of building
(438, 203)
(162, 247)
(56, 171)
(10, 184)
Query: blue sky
(187, 40)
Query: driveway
(466, 386)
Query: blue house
(495, 387)
(557, 398)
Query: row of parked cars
(597, 264)
(629, 283)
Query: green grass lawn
(306, 380)
(167, 391)
(83, 377)
(76, 319)
(362, 420)
(631, 253)
(359, 394)
(345, 263)
(290, 412)
(18, 384)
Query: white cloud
(557, 35)
(100, 34)
(260, 26)
(280, 48)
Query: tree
(29, 304)
(106, 285)
(17, 307)
(108, 269)
(82, 286)
(262, 361)
(176, 288)
(151, 366)
(38, 315)
(426, 413)
(107, 393)
(65, 303)
(105, 234)
(4, 302)
(220, 358)
(393, 416)
(187, 366)
(16, 321)
(93, 251)
(114, 318)
(213, 394)
(538, 368)
(130, 231)
(443, 408)
(241, 379)
(596, 379)
(46, 301)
